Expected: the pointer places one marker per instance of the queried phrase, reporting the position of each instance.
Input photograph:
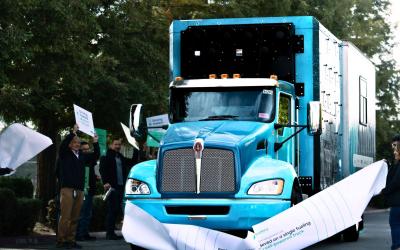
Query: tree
(100, 55)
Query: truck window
(200, 104)
(363, 101)
(284, 111)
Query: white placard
(84, 120)
(317, 218)
(19, 144)
(157, 121)
(128, 136)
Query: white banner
(84, 120)
(141, 229)
(324, 214)
(315, 219)
(19, 144)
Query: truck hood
(230, 133)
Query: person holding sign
(392, 193)
(71, 171)
(114, 169)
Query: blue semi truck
(262, 111)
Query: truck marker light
(178, 78)
(198, 147)
(274, 77)
(236, 76)
(224, 76)
(212, 76)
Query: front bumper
(242, 213)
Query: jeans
(114, 207)
(394, 222)
(85, 216)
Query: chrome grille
(178, 172)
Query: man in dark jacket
(392, 194)
(89, 190)
(114, 169)
(71, 162)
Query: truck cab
(227, 159)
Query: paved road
(376, 235)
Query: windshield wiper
(219, 117)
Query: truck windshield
(250, 104)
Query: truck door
(285, 116)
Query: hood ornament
(198, 147)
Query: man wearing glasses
(392, 194)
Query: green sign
(102, 134)
(157, 134)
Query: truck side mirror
(137, 129)
(314, 117)
(134, 117)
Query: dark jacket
(92, 174)
(392, 189)
(92, 178)
(108, 167)
(70, 169)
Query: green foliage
(52, 212)
(22, 187)
(7, 207)
(18, 215)
(26, 215)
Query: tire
(351, 234)
(296, 196)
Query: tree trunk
(46, 179)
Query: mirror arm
(278, 145)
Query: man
(70, 173)
(114, 169)
(392, 194)
(89, 189)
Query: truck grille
(178, 173)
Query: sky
(395, 19)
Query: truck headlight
(133, 186)
(268, 187)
